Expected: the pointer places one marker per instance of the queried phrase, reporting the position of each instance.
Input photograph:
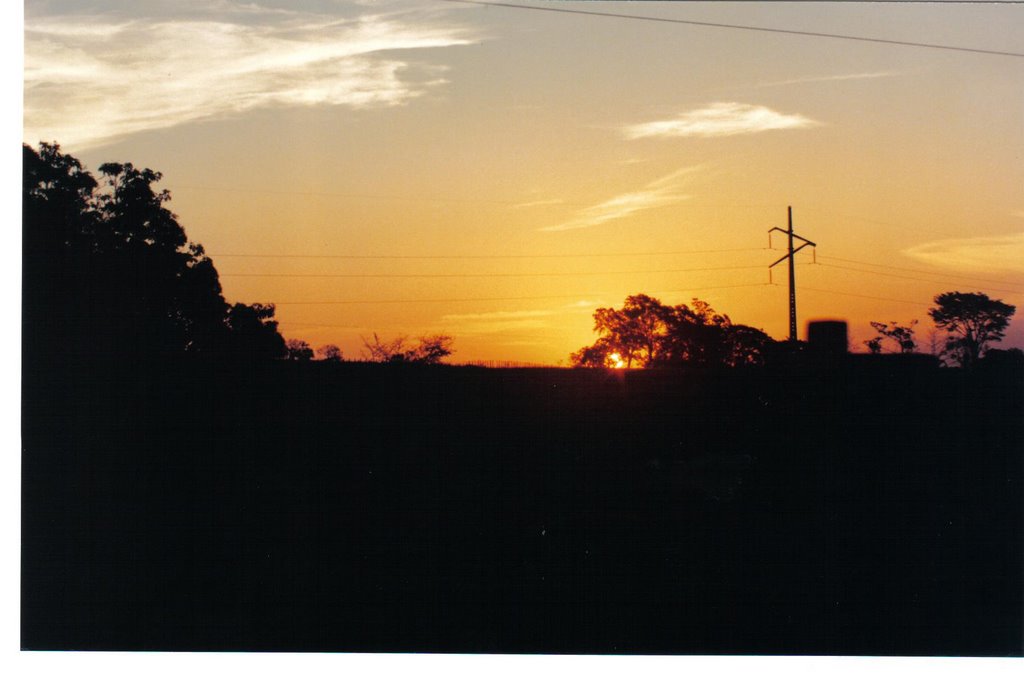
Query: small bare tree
(385, 352)
(901, 335)
(430, 349)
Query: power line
(910, 278)
(916, 271)
(347, 195)
(867, 297)
(507, 299)
(708, 24)
(500, 274)
(874, 221)
(482, 257)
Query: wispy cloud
(495, 327)
(524, 342)
(541, 202)
(661, 192)
(832, 78)
(719, 119)
(493, 322)
(986, 253)
(90, 80)
(496, 315)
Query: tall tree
(972, 321)
(636, 331)
(57, 217)
(109, 272)
(647, 333)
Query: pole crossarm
(795, 250)
(795, 236)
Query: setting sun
(617, 362)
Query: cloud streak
(541, 202)
(986, 253)
(661, 192)
(493, 322)
(832, 78)
(498, 315)
(90, 81)
(719, 119)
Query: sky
(497, 173)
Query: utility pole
(792, 269)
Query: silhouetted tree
(430, 349)
(133, 214)
(329, 352)
(650, 334)
(57, 218)
(385, 352)
(299, 349)
(597, 355)
(254, 334)
(972, 321)
(934, 341)
(746, 345)
(108, 271)
(637, 331)
(56, 201)
(901, 335)
(698, 335)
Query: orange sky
(512, 169)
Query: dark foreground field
(852, 509)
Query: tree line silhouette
(649, 334)
(109, 273)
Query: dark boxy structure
(827, 337)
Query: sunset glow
(497, 174)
